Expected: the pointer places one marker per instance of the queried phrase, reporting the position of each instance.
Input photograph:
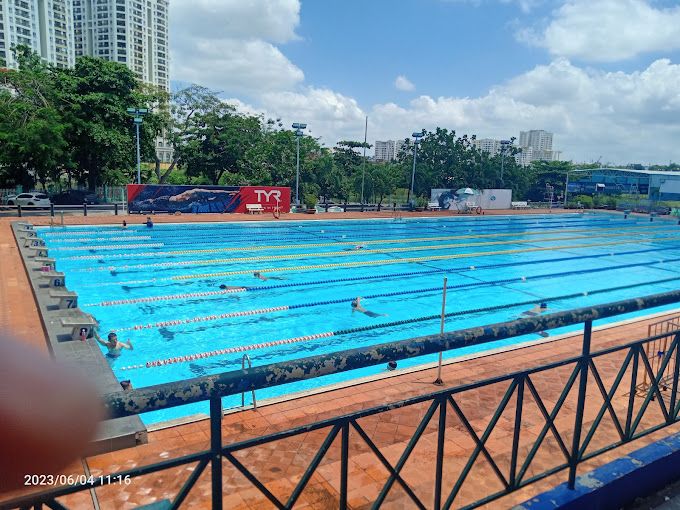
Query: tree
(96, 95)
(218, 143)
(384, 178)
(32, 144)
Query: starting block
(54, 278)
(46, 262)
(82, 326)
(25, 232)
(37, 251)
(67, 298)
(33, 241)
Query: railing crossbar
(189, 484)
(387, 465)
(549, 422)
(654, 386)
(253, 479)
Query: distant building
(536, 145)
(42, 25)
(487, 145)
(133, 32)
(387, 150)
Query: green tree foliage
(73, 122)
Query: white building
(387, 150)
(489, 145)
(133, 32)
(536, 145)
(46, 26)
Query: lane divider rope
(407, 260)
(339, 243)
(378, 277)
(282, 308)
(352, 253)
(360, 329)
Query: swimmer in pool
(229, 287)
(538, 310)
(357, 247)
(356, 307)
(112, 344)
(260, 276)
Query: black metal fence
(555, 417)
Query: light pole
(504, 147)
(138, 114)
(298, 127)
(417, 135)
(363, 170)
(566, 189)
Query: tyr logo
(267, 195)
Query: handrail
(203, 388)
(243, 394)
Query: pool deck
(280, 465)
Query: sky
(602, 75)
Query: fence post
(215, 449)
(582, 386)
(19, 210)
(52, 210)
(115, 209)
(84, 208)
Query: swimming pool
(160, 286)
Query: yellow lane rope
(353, 243)
(293, 256)
(411, 259)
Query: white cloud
(607, 30)
(403, 83)
(228, 45)
(624, 117)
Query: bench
(520, 205)
(254, 208)
(433, 206)
(66, 298)
(81, 326)
(54, 278)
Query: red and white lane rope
(188, 295)
(227, 350)
(205, 318)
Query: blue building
(650, 184)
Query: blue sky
(603, 75)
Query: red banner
(205, 198)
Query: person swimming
(149, 223)
(112, 344)
(260, 276)
(124, 224)
(355, 248)
(356, 307)
(538, 310)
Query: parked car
(30, 199)
(76, 197)
(4, 200)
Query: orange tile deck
(279, 465)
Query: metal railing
(53, 210)
(577, 432)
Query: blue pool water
(499, 261)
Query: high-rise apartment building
(133, 32)
(46, 26)
(536, 145)
(488, 145)
(387, 150)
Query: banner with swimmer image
(144, 198)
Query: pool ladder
(243, 395)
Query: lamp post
(417, 135)
(566, 189)
(504, 147)
(363, 170)
(137, 119)
(298, 127)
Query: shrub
(586, 201)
